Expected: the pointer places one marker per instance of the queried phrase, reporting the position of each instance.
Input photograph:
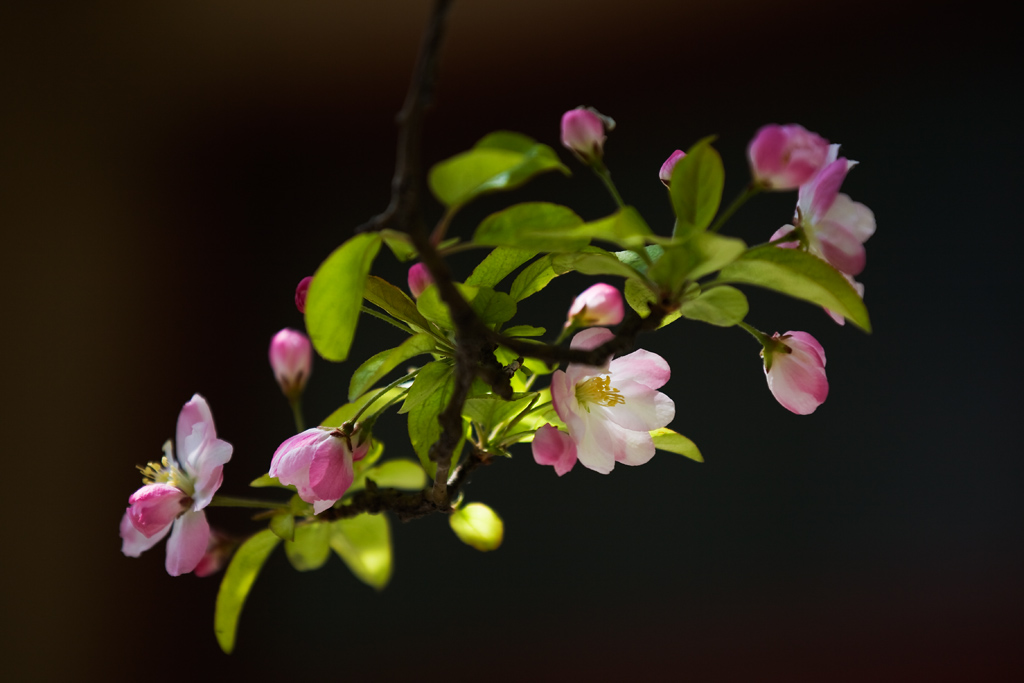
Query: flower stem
(606, 177)
(442, 227)
(760, 336)
(296, 404)
(748, 192)
(233, 502)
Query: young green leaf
(335, 295)
(492, 307)
(639, 297)
(283, 526)
(309, 550)
(424, 428)
(667, 440)
(265, 480)
(431, 376)
(398, 474)
(391, 299)
(536, 226)
(590, 263)
(237, 582)
(490, 410)
(349, 410)
(696, 188)
(499, 263)
(626, 228)
(533, 278)
(378, 366)
(723, 306)
(634, 261)
(702, 254)
(524, 331)
(364, 544)
(800, 275)
(478, 526)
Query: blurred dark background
(171, 170)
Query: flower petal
(595, 444)
(207, 466)
(641, 366)
(645, 409)
(187, 545)
(154, 507)
(635, 448)
(133, 541)
(330, 472)
(854, 216)
(816, 197)
(195, 425)
(554, 447)
(591, 338)
(840, 248)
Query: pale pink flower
(609, 411)
(666, 168)
(291, 358)
(795, 369)
(176, 491)
(599, 304)
(419, 279)
(552, 446)
(785, 157)
(583, 132)
(300, 293)
(318, 463)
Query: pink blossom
(785, 157)
(609, 411)
(300, 293)
(291, 358)
(666, 168)
(795, 368)
(583, 132)
(318, 463)
(599, 304)
(176, 491)
(419, 279)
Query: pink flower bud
(666, 168)
(795, 369)
(583, 133)
(419, 279)
(291, 357)
(219, 550)
(786, 157)
(600, 304)
(318, 463)
(300, 293)
(155, 506)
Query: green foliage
(723, 306)
(379, 365)
(667, 440)
(626, 228)
(283, 525)
(394, 301)
(492, 307)
(265, 481)
(524, 331)
(349, 410)
(696, 188)
(334, 298)
(499, 263)
(237, 582)
(489, 411)
(478, 526)
(398, 474)
(800, 275)
(702, 254)
(533, 278)
(424, 428)
(636, 262)
(536, 226)
(592, 262)
(309, 550)
(500, 161)
(364, 544)
(431, 376)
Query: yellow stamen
(167, 472)
(598, 390)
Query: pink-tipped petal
(641, 366)
(785, 157)
(195, 425)
(419, 279)
(797, 379)
(330, 472)
(591, 339)
(554, 447)
(840, 248)
(207, 465)
(858, 219)
(133, 541)
(600, 304)
(187, 544)
(301, 291)
(154, 507)
(665, 174)
(635, 448)
(643, 410)
(596, 446)
(782, 232)
(816, 198)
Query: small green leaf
(723, 306)
(424, 428)
(334, 299)
(283, 526)
(492, 307)
(266, 480)
(696, 188)
(310, 548)
(634, 261)
(524, 331)
(399, 474)
(533, 278)
(800, 275)
(667, 440)
(499, 263)
(536, 226)
(500, 161)
(702, 254)
(478, 526)
(626, 228)
(391, 299)
(378, 366)
(639, 297)
(489, 411)
(364, 544)
(430, 377)
(590, 263)
(400, 244)
(237, 582)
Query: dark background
(171, 170)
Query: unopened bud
(600, 304)
(666, 168)
(583, 132)
(291, 357)
(300, 293)
(419, 279)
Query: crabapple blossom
(599, 304)
(795, 368)
(554, 447)
(609, 411)
(176, 490)
(665, 174)
(583, 133)
(785, 157)
(318, 463)
(419, 279)
(291, 357)
(301, 291)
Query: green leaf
(492, 307)
(391, 299)
(639, 297)
(524, 331)
(364, 544)
(424, 428)
(533, 278)
(266, 480)
(626, 227)
(696, 188)
(500, 161)
(536, 226)
(723, 306)
(478, 526)
(310, 548)
(499, 263)
(633, 260)
(283, 526)
(667, 440)
(590, 263)
(237, 582)
(489, 411)
(800, 275)
(349, 410)
(702, 254)
(333, 302)
(400, 244)
(431, 376)
(378, 366)
(399, 474)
